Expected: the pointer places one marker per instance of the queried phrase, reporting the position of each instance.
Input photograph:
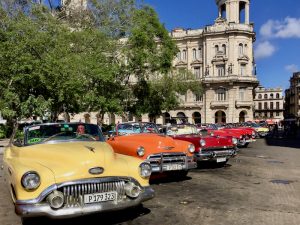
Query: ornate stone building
(221, 56)
(292, 98)
(269, 104)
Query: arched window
(184, 54)
(194, 54)
(224, 49)
(221, 94)
(241, 49)
(259, 96)
(181, 118)
(196, 117)
(277, 95)
(200, 53)
(265, 96)
(216, 48)
(197, 72)
(271, 95)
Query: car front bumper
(165, 162)
(215, 155)
(43, 209)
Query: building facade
(221, 57)
(268, 104)
(292, 98)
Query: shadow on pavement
(212, 165)
(115, 217)
(168, 178)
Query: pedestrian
(275, 130)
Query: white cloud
(264, 49)
(291, 68)
(288, 28)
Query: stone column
(247, 8)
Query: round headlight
(253, 132)
(140, 151)
(31, 180)
(145, 170)
(234, 141)
(132, 190)
(191, 148)
(56, 199)
(241, 137)
(202, 142)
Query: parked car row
(64, 170)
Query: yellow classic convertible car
(66, 170)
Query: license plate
(100, 197)
(221, 159)
(174, 167)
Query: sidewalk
(3, 143)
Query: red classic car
(142, 140)
(207, 147)
(244, 136)
(247, 134)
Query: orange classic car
(142, 140)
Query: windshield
(62, 132)
(136, 128)
(182, 129)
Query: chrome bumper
(43, 209)
(212, 155)
(242, 142)
(263, 133)
(159, 167)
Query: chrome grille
(74, 192)
(217, 149)
(165, 158)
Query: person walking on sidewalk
(275, 130)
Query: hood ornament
(168, 147)
(92, 149)
(96, 170)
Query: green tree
(149, 55)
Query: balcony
(216, 28)
(223, 104)
(231, 78)
(239, 103)
(269, 109)
(192, 104)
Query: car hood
(152, 143)
(217, 141)
(211, 141)
(261, 129)
(73, 160)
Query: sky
(276, 23)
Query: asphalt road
(261, 186)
